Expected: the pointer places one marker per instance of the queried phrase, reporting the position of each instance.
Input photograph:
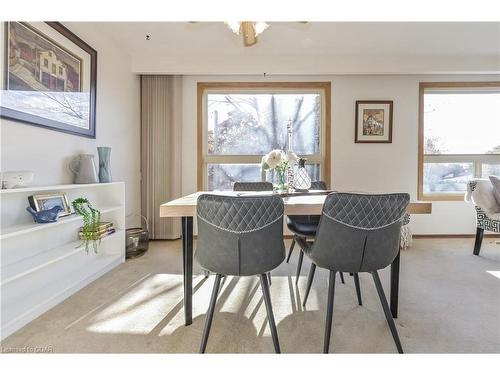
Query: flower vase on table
(279, 161)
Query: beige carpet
(449, 302)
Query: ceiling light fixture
(249, 30)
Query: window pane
(223, 176)
(254, 124)
(446, 177)
(490, 170)
(313, 170)
(462, 123)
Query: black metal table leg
(187, 261)
(395, 286)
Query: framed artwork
(41, 202)
(373, 121)
(49, 78)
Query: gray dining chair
(357, 233)
(304, 226)
(254, 186)
(240, 236)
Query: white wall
(47, 152)
(365, 167)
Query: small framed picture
(41, 202)
(373, 121)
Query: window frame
(476, 159)
(324, 158)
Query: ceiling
(310, 48)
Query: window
(240, 122)
(459, 137)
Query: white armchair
(480, 193)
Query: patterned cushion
(318, 185)
(366, 211)
(485, 222)
(239, 214)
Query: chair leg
(269, 277)
(309, 283)
(329, 312)
(210, 313)
(342, 277)
(387, 311)
(299, 266)
(269, 309)
(479, 240)
(291, 250)
(358, 289)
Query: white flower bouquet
(279, 161)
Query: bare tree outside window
(254, 124)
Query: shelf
(22, 311)
(17, 230)
(24, 267)
(31, 189)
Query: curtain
(161, 105)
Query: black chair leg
(479, 240)
(309, 283)
(329, 312)
(358, 289)
(387, 311)
(342, 277)
(269, 309)
(210, 314)
(269, 277)
(299, 266)
(291, 250)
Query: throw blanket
(480, 193)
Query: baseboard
(486, 235)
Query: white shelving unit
(43, 264)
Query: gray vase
(104, 164)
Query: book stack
(101, 230)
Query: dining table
(310, 203)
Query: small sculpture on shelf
(45, 216)
(16, 179)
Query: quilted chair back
(240, 235)
(359, 232)
(318, 185)
(253, 186)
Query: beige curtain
(161, 104)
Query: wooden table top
(300, 204)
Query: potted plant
(91, 218)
